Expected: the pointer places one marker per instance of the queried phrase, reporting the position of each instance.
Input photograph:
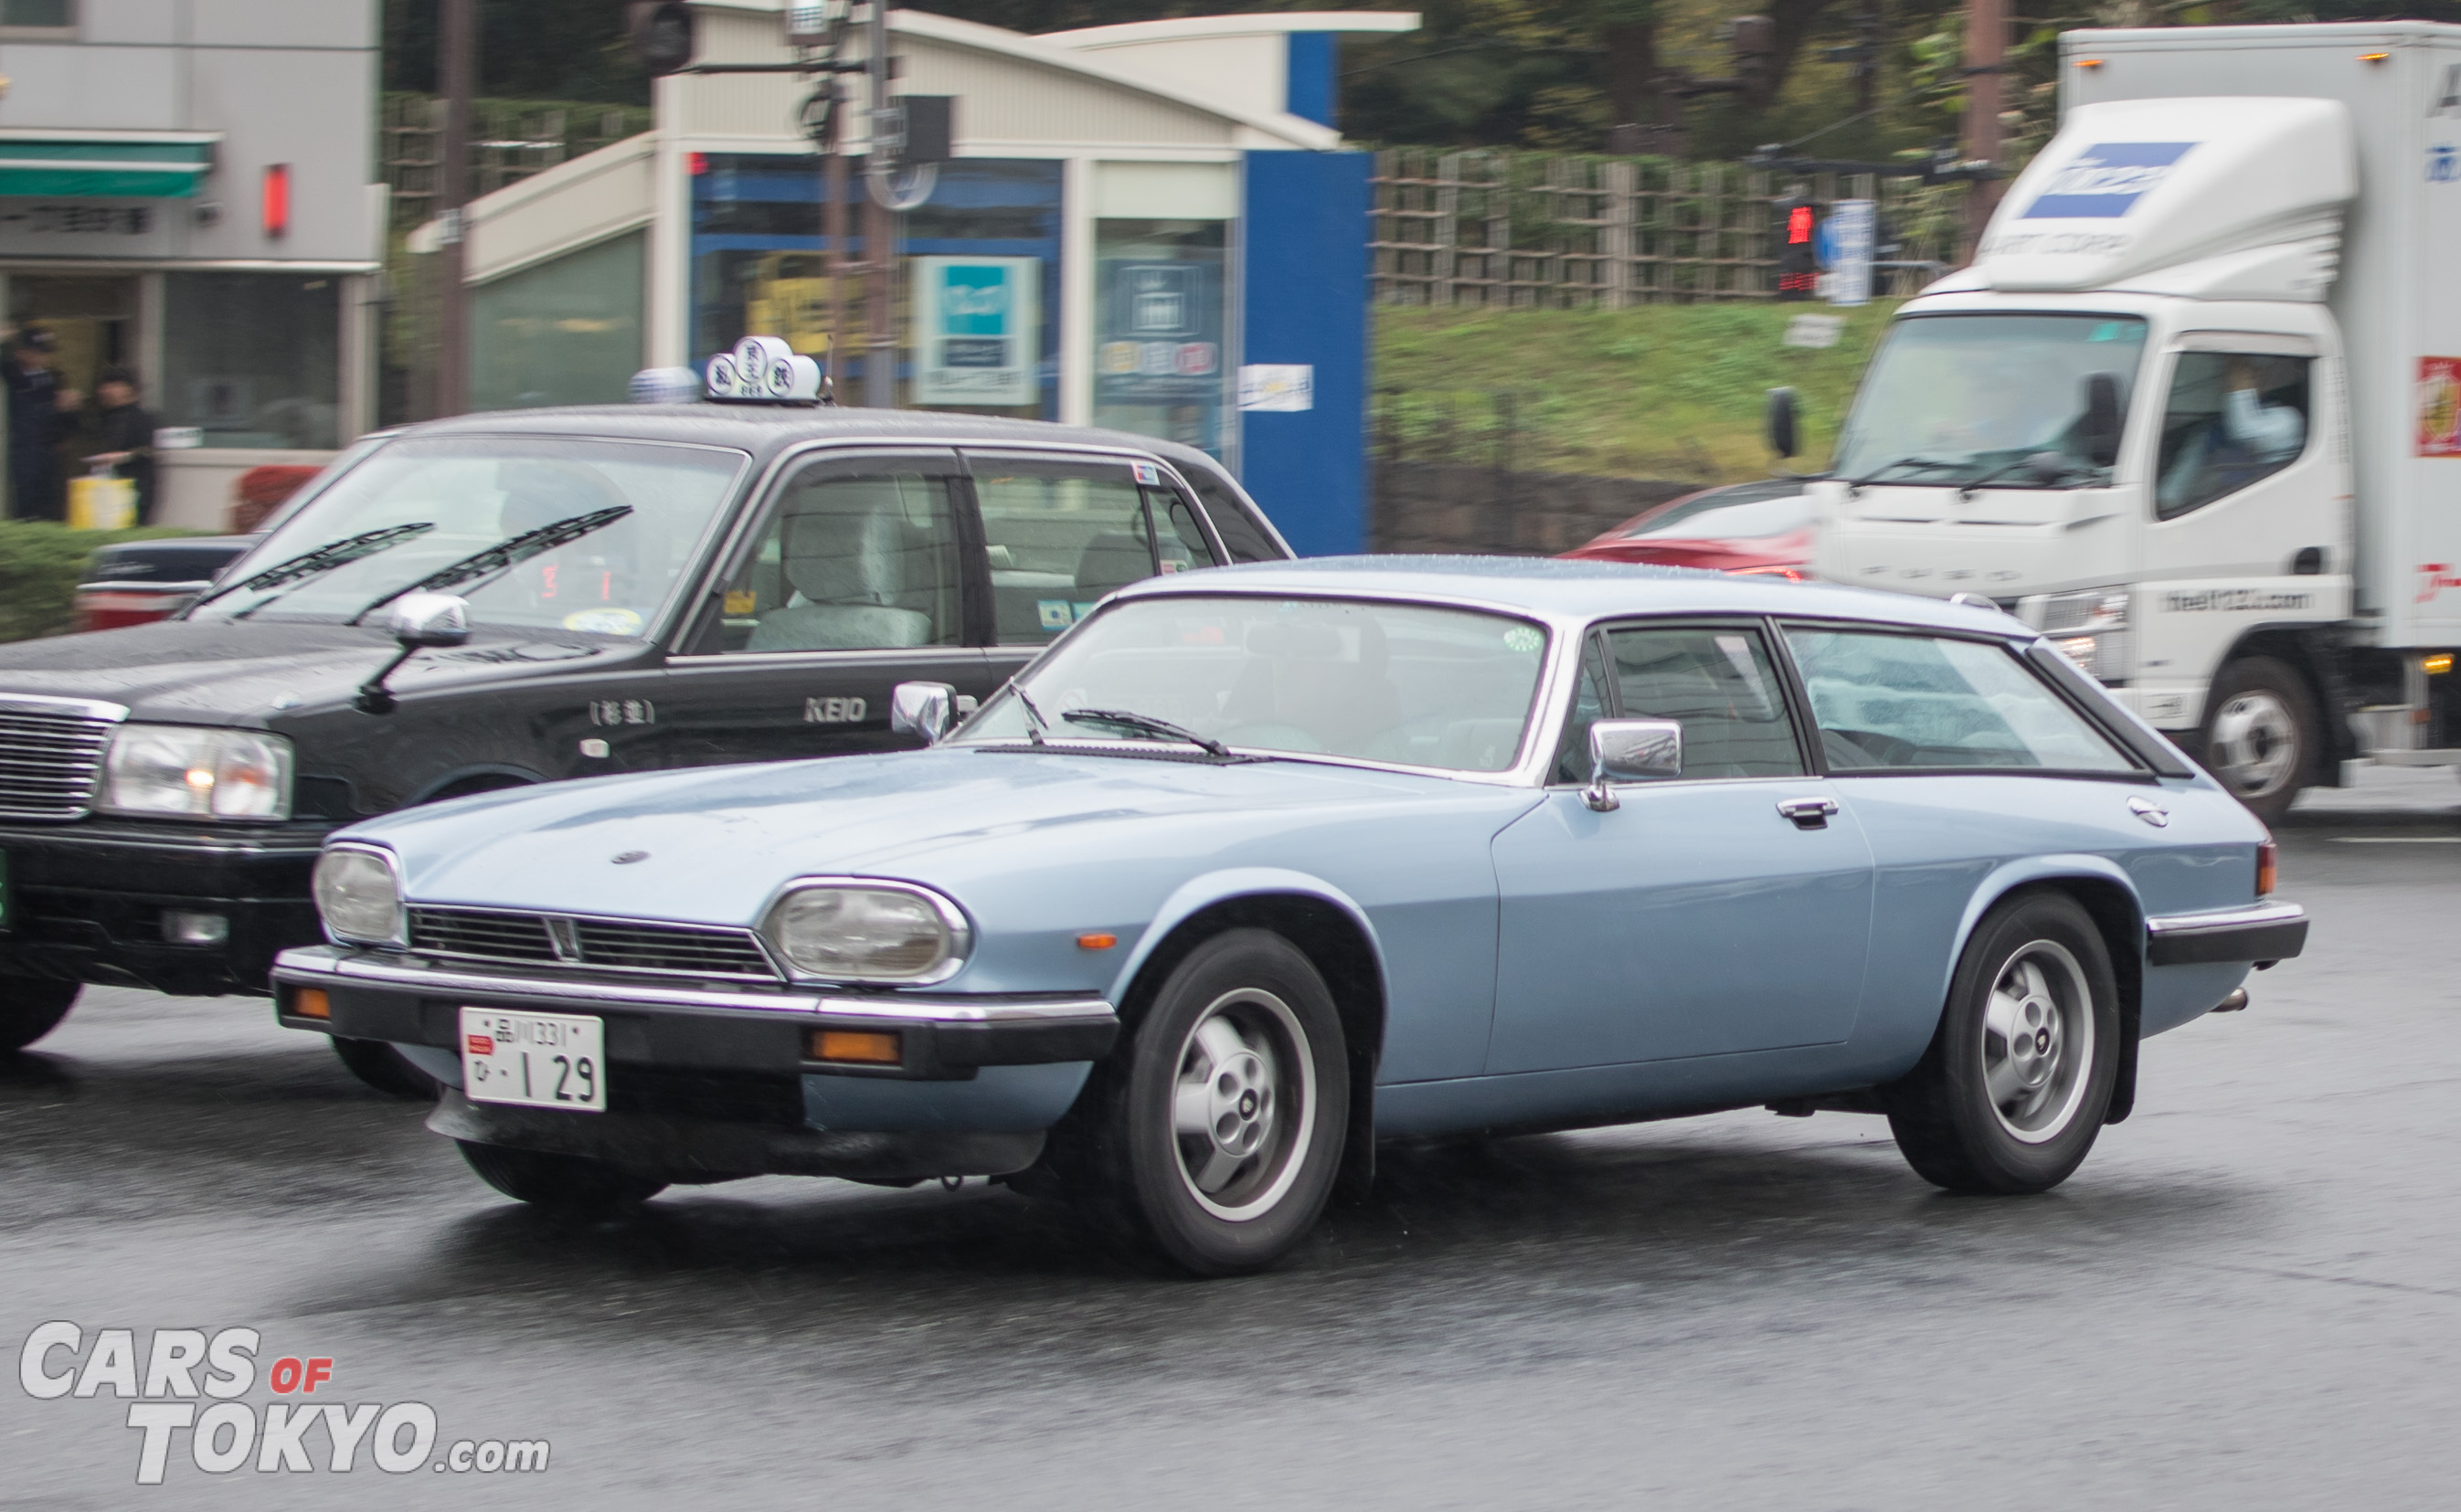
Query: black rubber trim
(2254, 942)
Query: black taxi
(527, 596)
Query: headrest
(839, 547)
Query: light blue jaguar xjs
(1257, 867)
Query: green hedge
(41, 563)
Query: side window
(1061, 534)
(1241, 536)
(1184, 547)
(1719, 686)
(849, 562)
(2230, 420)
(1914, 701)
(1589, 705)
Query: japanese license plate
(538, 1060)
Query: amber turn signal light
(1097, 941)
(860, 1046)
(2267, 857)
(311, 1002)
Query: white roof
(1189, 28)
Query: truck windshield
(419, 505)
(1955, 399)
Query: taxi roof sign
(763, 370)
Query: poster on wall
(978, 329)
(1161, 335)
(2439, 406)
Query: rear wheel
(385, 1069)
(30, 1007)
(564, 1183)
(2259, 734)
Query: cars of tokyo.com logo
(189, 1382)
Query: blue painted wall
(1308, 82)
(1305, 294)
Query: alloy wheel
(1241, 1106)
(2038, 1042)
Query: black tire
(2260, 736)
(385, 1069)
(562, 1183)
(1991, 1112)
(30, 1007)
(1238, 1195)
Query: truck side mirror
(2098, 433)
(1781, 437)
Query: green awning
(75, 169)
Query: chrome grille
(700, 951)
(51, 756)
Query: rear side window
(1241, 535)
(1929, 703)
(1063, 532)
(1719, 686)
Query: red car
(1760, 527)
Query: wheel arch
(2110, 899)
(472, 779)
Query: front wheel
(31, 1008)
(1211, 1138)
(2017, 1078)
(2259, 734)
(564, 1183)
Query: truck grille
(597, 945)
(51, 757)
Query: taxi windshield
(1415, 685)
(605, 532)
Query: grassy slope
(1660, 391)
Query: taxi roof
(1584, 590)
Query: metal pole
(833, 224)
(1986, 51)
(879, 234)
(457, 61)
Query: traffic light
(1798, 259)
(661, 35)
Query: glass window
(56, 14)
(1062, 534)
(1234, 519)
(2230, 419)
(566, 332)
(1404, 683)
(1588, 707)
(1158, 359)
(421, 512)
(253, 359)
(1719, 686)
(1912, 701)
(1954, 398)
(849, 562)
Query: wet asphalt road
(2249, 1298)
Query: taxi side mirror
(927, 710)
(1631, 751)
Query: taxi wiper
(1034, 730)
(502, 556)
(1145, 724)
(308, 563)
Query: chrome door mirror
(1631, 751)
(922, 709)
(430, 619)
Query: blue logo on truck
(2104, 181)
(2442, 165)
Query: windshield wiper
(502, 556)
(1145, 724)
(2067, 475)
(1034, 730)
(308, 563)
(1928, 463)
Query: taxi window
(849, 560)
(1063, 532)
(1241, 536)
(1939, 703)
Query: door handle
(1807, 813)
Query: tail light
(2267, 858)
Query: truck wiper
(502, 556)
(2067, 477)
(308, 563)
(1927, 463)
(1145, 724)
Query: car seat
(846, 557)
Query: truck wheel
(564, 1183)
(385, 1069)
(2259, 734)
(30, 1007)
(1210, 1139)
(2013, 1090)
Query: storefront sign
(978, 325)
(105, 227)
(1161, 339)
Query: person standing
(124, 435)
(40, 415)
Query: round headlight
(359, 896)
(852, 933)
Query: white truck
(2194, 410)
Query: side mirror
(1631, 751)
(2098, 432)
(430, 619)
(922, 709)
(1782, 436)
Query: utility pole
(1986, 53)
(833, 226)
(457, 61)
(879, 226)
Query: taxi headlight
(869, 932)
(358, 895)
(197, 771)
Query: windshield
(1952, 400)
(419, 506)
(1410, 684)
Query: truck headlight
(358, 895)
(2091, 629)
(868, 932)
(197, 771)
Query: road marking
(2398, 839)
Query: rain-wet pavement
(2250, 1297)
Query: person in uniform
(40, 412)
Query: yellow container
(101, 503)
